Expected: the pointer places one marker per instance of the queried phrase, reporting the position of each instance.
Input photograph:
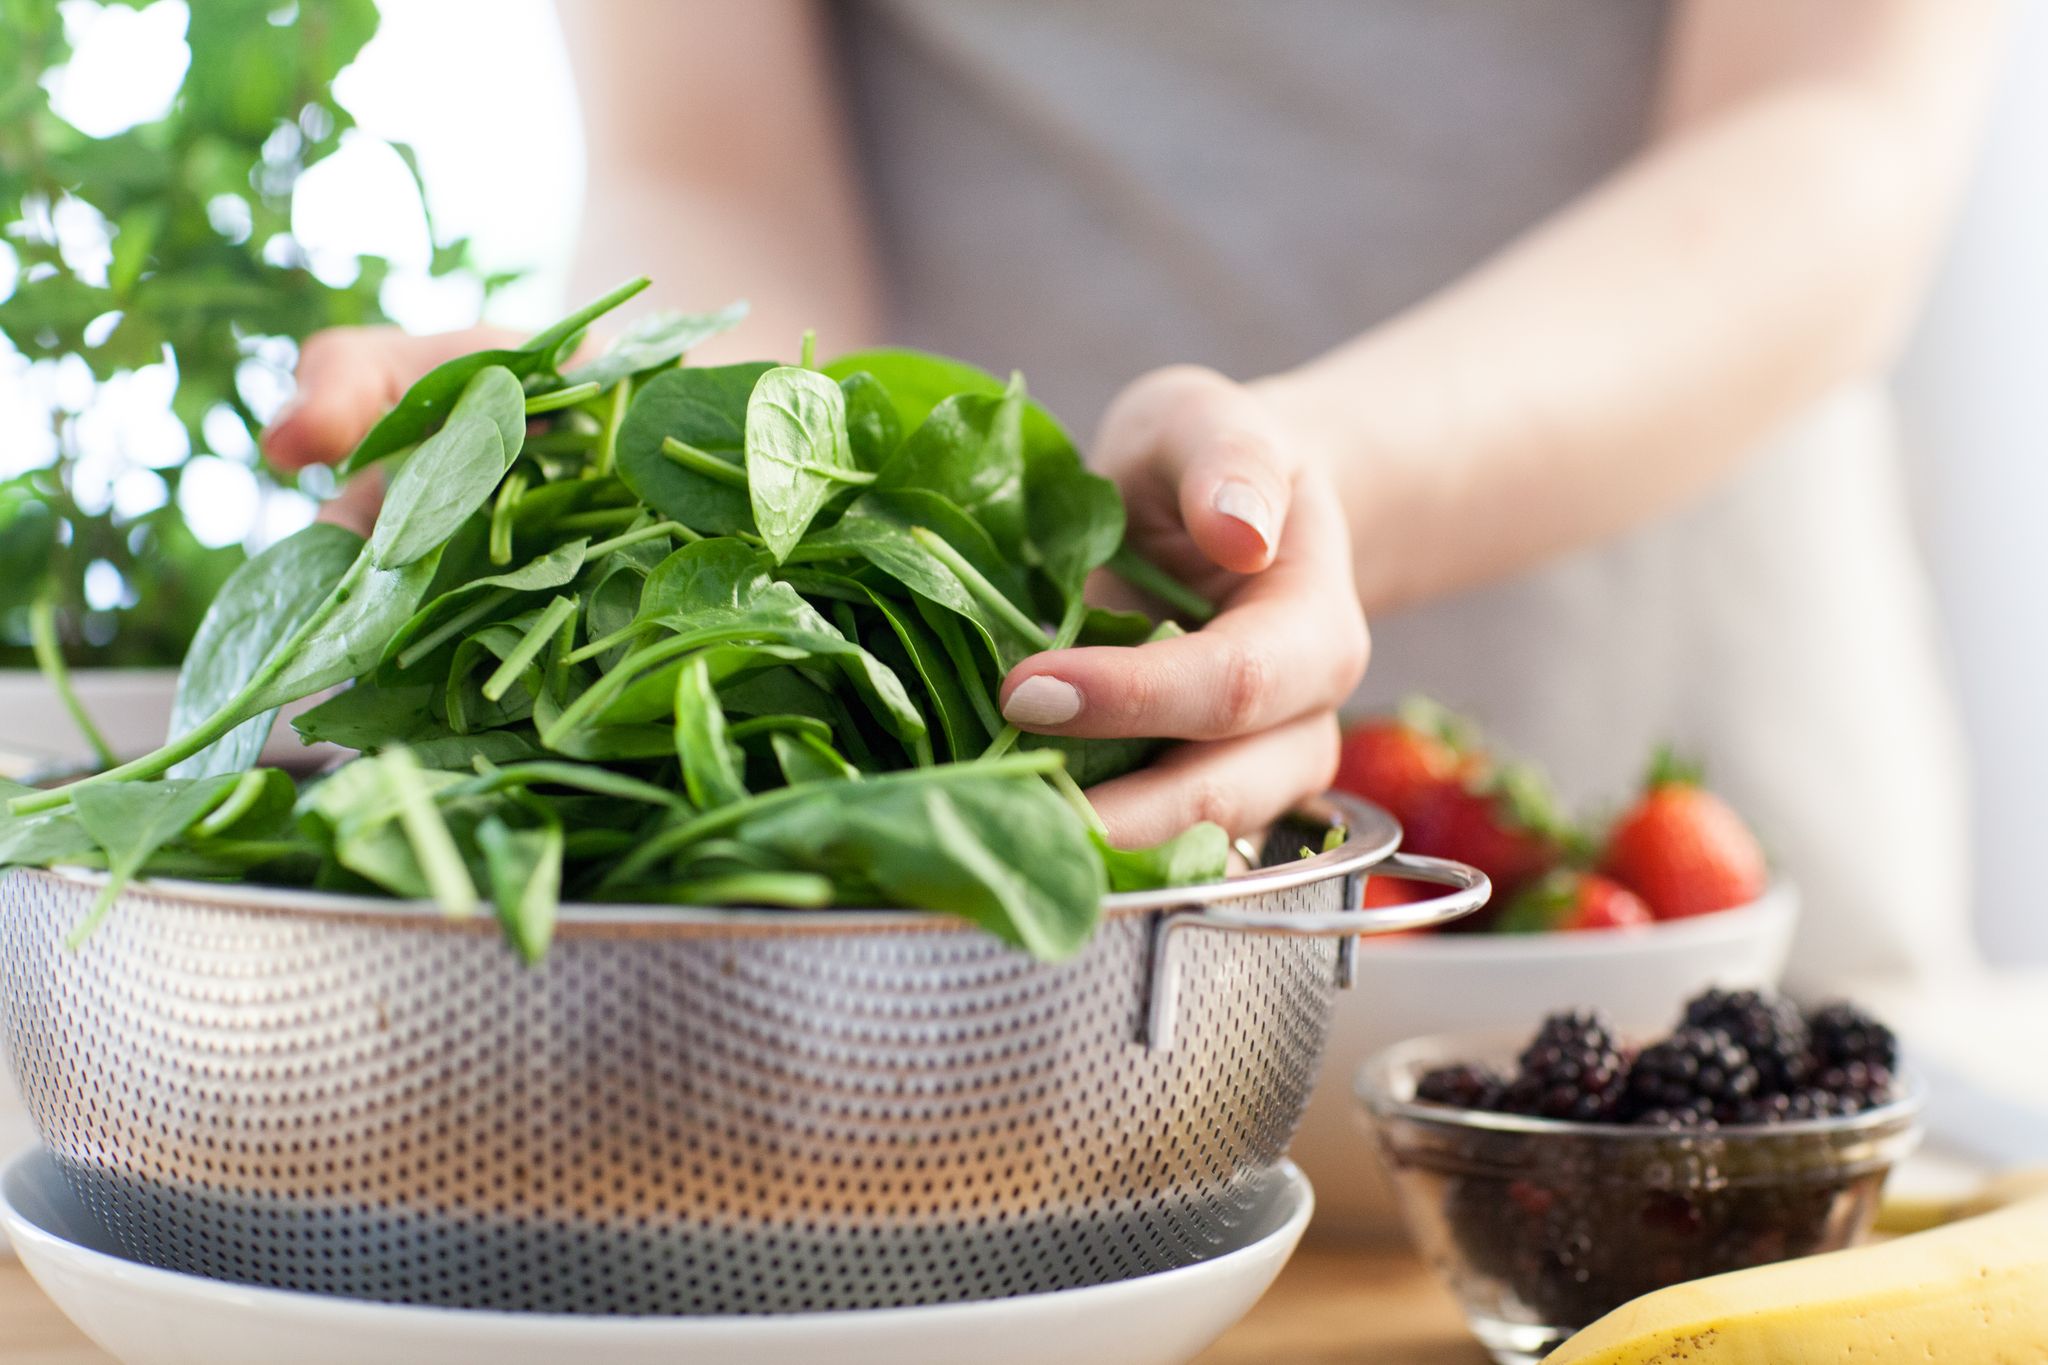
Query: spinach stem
(49, 654)
(1147, 577)
(453, 626)
(537, 638)
(560, 442)
(247, 789)
(807, 350)
(984, 591)
(678, 837)
(569, 397)
(598, 519)
(623, 635)
(634, 537)
(231, 713)
(509, 494)
(1069, 631)
(432, 845)
(1063, 782)
(703, 462)
(608, 440)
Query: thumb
(1213, 442)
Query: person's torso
(1085, 189)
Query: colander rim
(1371, 834)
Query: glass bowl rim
(1371, 1087)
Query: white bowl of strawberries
(1675, 896)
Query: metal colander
(680, 1112)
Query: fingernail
(1042, 700)
(1241, 502)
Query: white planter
(132, 707)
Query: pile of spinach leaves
(636, 631)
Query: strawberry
(1682, 849)
(1393, 761)
(1569, 900)
(1384, 891)
(1502, 821)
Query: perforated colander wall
(651, 1123)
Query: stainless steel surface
(680, 1112)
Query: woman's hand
(348, 377)
(1223, 499)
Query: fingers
(1290, 642)
(1241, 784)
(1213, 444)
(355, 506)
(348, 377)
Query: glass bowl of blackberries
(1553, 1183)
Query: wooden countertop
(1335, 1304)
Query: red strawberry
(1394, 760)
(1682, 849)
(1503, 822)
(1383, 891)
(1568, 900)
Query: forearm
(718, 166)
(1621, 357)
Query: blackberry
(1770, 1029)
(1573, 1069)
(1808, 1102)
(1679, 1118)
(1694, 1066)
(1843, 1034)
(1461, 1087)
(1856, 1085)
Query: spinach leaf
(453, 472)
(350, 638)
(798, 454)
(1200, 853)
(711, 766)
(366, 716)
(918, 381)
(970, 451)
(259, 606)
(130, 821)
(804, 758)
(654, 341)
(42, 840)
(872, 427)
(704, 408)
(525, 869)
(1009, 856)
(435, 624)
(429, 400)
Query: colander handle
(1470, 890)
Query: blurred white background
(499, 145)
(1971, 388)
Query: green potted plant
(200, 277)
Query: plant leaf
(655, 340)
(525, 870)
(259, 606)
(795, 443)
(705, 408)
(130, 821)
(711, 764)
(453, 472)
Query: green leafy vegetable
(798, 455)
(260, 605)
(712, 636)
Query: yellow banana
(1974, 1291)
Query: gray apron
(1085, 189)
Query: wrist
(1349, 417)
